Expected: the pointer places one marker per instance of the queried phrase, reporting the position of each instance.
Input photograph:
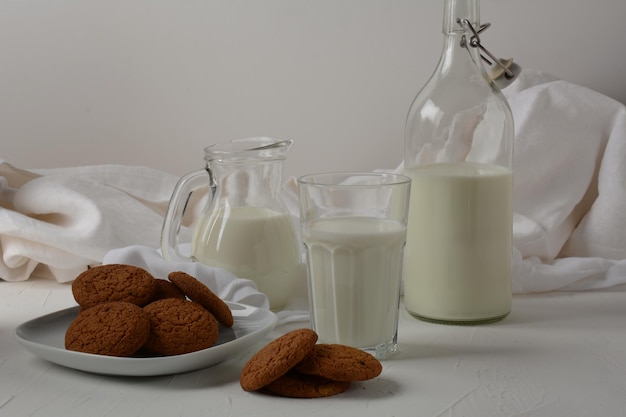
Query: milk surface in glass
(458, 263)
(355, 269)
(253, 243)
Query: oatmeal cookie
(201, 294)
(114, 329)
(277, 358)
(113, 282)
(296, 385)
(179, 326)
(340, 363)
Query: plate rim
(204, 358)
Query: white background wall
(151, 82)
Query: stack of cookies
(125, 309)
(294, 365)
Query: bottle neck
(457, 56)
(460, 9)
(459, 116)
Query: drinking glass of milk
(245, 227)
(354, 231)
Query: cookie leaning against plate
(114, 329)
(276, 358)
(201, 294)
(340, 363)
(179, 326)
(113, 282)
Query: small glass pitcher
(245, 226)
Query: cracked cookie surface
(179, 326)
(113, 282)
(113, 329)
(276, 358)
(201, 294)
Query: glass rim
(337, 179)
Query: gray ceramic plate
(45, 337)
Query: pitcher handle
(175, 211)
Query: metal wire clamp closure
(475, 43)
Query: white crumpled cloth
(569, 186)
(226, 285)
(62, 220)
(569, 199)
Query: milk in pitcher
(254, 243)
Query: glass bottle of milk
(459, 150)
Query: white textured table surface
(558, 354)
